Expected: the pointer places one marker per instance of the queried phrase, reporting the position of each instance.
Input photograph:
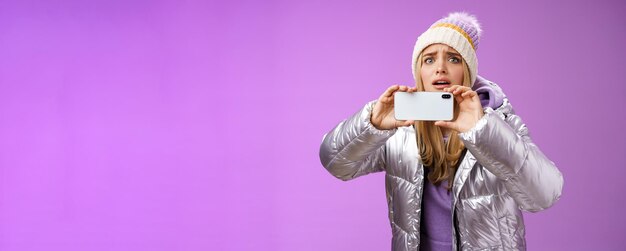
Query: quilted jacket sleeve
(355, 147)
(501, 143)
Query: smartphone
(425, 106)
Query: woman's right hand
(383, 117)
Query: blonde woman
(451, 185)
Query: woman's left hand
(470, 109)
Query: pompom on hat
(458, 30)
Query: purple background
(193, 125)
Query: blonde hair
(441, 159)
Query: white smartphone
(425, 106)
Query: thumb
(445, 124)
(405, 123)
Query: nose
(441, 68)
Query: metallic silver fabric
(502, 173)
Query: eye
(454, 60)
(428, 60)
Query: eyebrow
(449, 53)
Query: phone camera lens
(446, 96)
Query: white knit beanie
(458, 30)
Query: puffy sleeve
(355, 147)
(501, 143)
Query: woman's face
(441, 67)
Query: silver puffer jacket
(502, 173)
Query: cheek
(457, 75)
(426, 81)
(425, 73)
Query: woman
(451, 185)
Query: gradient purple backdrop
(194, 125)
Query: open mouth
(441, 84)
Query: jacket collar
(462, 173)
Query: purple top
(436, 226)
(436, 219)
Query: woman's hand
(470, 109)
(383, 117)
